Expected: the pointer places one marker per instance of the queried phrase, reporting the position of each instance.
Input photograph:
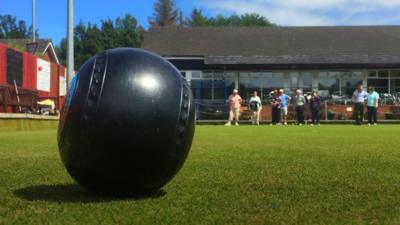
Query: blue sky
(51, 14)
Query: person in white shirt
(234, 101)
(359, 98)
(372, 104)
(255, 108)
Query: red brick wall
(266, 112)
(343, 109)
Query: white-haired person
(285, 99)
(315, 108)
(359, 98)
(299, 101)
(234, 102)
(255, 107)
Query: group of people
(280, 103)
(235, 102)
(372, 98)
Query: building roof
(43, 45)
(279, 45)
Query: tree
(110, 35)
(254, 19)
(165, 14)
(11, 28)
(197, 19)
(128, 31)
(248, 19)
(91, 39)
(220, 21)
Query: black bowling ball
(127, 123)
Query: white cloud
(312, 12)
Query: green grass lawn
(234, 175)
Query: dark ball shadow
(67, 193)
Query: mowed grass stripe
(234, 175)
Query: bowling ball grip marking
(95, 86)
(184, 113)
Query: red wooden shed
(35, 75)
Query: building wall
(211, 88)
(338, 79)
(332, 82)
(3, 63)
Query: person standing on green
(372, 104)
(285, 100)
(255, 108)
(234, 101)
(315, 108)
(276, 107)
(299, 101)
(359, 97)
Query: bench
(27, 98)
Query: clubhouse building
(333, 60)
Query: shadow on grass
(66, 193)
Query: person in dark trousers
(315, 108)
(276, 107)
(372, 104)
(359, 97)
(299, 101)
(255, 107)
